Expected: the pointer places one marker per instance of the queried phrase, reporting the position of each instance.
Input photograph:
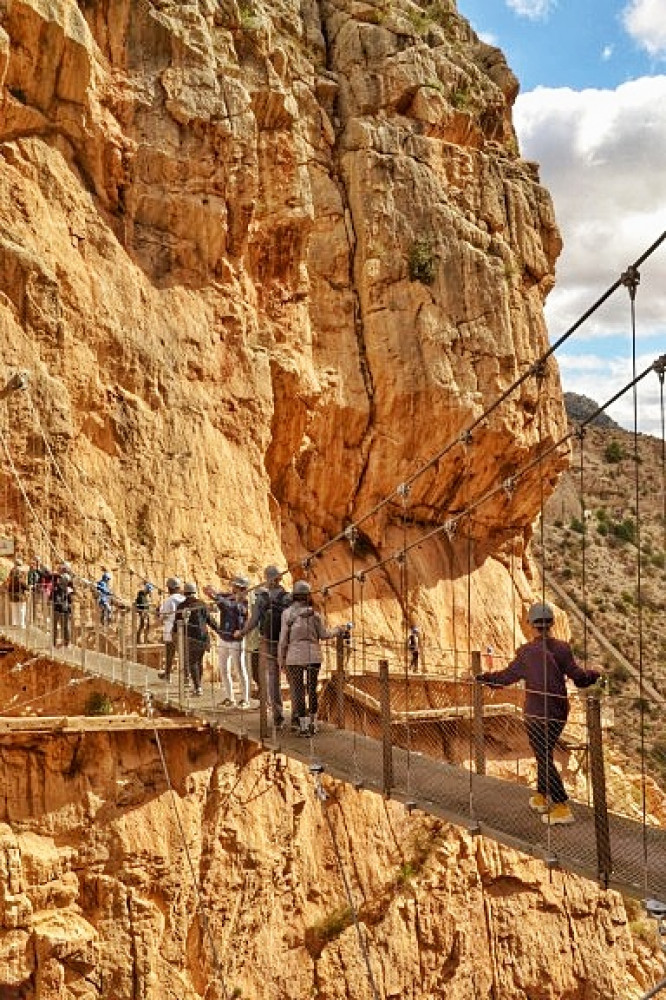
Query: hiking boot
(560, 814)
(228, 703)
(243, 704)
(539, 803)
(164, 676)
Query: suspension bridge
(436, 741)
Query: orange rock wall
(98, 899)
(210, 216)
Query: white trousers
(18, 610)
(231, 654)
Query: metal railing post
(180, 653)
(385, 708)
(477, 715)
(598, 775)
(340, 682)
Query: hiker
(17, 587)
(414, 647)
(267, 614)
(142, 606)
(233, 615)
(104, 598)
(299, 654)
(197, 621)
(544, 664)
(61, 597)
(167, 613)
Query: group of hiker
(263, 631)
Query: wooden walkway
(488, 806)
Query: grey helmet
(540, 614)
(272, 573)
(173, 584)
(240, 582)
(302, 589)
(190, 587)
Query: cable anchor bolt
(509, 486)
(403, 490)
(580, 432)
(631, 279)
(359, 577)
(660, 367)
(306, 563)
(466, 438)
(450, 528)
(351, 534)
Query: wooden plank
(12, 725)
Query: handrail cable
(631, 281)
(533, 369)
(450, 525)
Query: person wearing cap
(299, 654)
(197, 621)
(142, 606)
(104, 598)
(17, 585)
(233, 616)
(544, 664)
(267, 614)
(167, 614)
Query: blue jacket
(233, 615)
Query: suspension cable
(449, 526)
(539, 364)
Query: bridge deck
(494, 808)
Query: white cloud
(600, 377)
(488, 38)
(607, 52)
(535, 10)
(602, 154)
(645, 20)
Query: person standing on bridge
(167, 614)
(267, 614)
(544, 665)
(233, 615)
(17, 587)
(197, 620)
(299, 655)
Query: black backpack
(270, 621)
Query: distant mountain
(582, 407)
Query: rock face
(99, 862)
(262, 260)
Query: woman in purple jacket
(544, 664)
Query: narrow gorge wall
(261, 261)
(98, 900)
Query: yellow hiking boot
(539, 803)
(560, 814)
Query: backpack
(270, 621)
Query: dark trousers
(543, 735)
(270, 667)
(303, 679)
(253, 656)
(169, 657)
(143, 627)
(195, 650)
(62, 623)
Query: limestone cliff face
(98, 866)
(262, 260)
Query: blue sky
(592, 113)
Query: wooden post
(387, 745)
(340, 681)
(477, 716)
(598, 775)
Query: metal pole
(180, 647)
(340, 681)
(387, 746)
(477, 717)
(601, 826)
(263, 694)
